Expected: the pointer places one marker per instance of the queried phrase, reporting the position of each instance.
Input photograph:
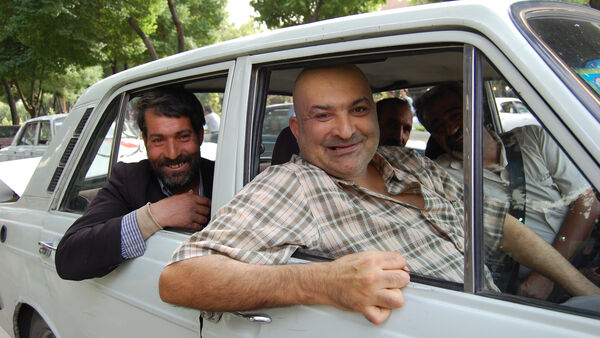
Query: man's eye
(361, 110)
(185, 137)
(156, 140)
(322, 116)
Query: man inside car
(557, 203)
(172, 188)
(394, 116)
(378, 213)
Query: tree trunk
(31, 105)
(147, 42)
(11, 102)
(180, 37)
(315, 15)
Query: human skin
(395, 124)
(172, 147)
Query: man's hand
(368, 282)
(536, 286)
(188, 211)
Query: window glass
(45, 134)
(576, 41)
(528, 176)
(93, 170)
(28, 136)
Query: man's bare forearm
(578, 224)
(366, 282)
(532, 251)
(218, 283)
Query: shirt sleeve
(132, 242)
(263, 224)
(565, 175)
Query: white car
(33, 137)
(539, 49)
(513, 113)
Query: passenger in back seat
(172, 188)
(559, 203)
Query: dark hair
(433, 94)
(387, 103)
(172, 102)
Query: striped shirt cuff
(132, 242)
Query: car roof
(47, 118)
(472, 15)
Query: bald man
(340, 197)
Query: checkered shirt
(299, 206)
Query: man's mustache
(336, 141)
(163, 162)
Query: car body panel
(127, 298)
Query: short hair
(387, 103)
(432, 95)
(171, 102)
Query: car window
(273, 109)
(28, 136)
(117, 138)
(45, 134)
(537, 184)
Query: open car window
(503, 113)
(117, 138)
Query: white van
(543, 51)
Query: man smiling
(377, 212)
(172, 188)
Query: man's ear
(294, 126)
(200, 136)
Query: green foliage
(230, 31)
(284, 13)
(201, 20)
(421, 2)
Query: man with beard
(172, 188)
(559, 204)
(395, 121)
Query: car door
(125, 302)
(432, 307)
(26, 141)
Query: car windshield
(574, 40)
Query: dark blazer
(91, 247)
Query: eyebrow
(353, 103)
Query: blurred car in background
(513, 113)
(33, 137)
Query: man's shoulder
(137, 171)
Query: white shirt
(212, 122)
(552, 182)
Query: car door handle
(254, 317)
(46, 248)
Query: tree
(31, 53)
(284, 13)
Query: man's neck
(371, 180)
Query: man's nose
(171, 149)
(344, 126)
